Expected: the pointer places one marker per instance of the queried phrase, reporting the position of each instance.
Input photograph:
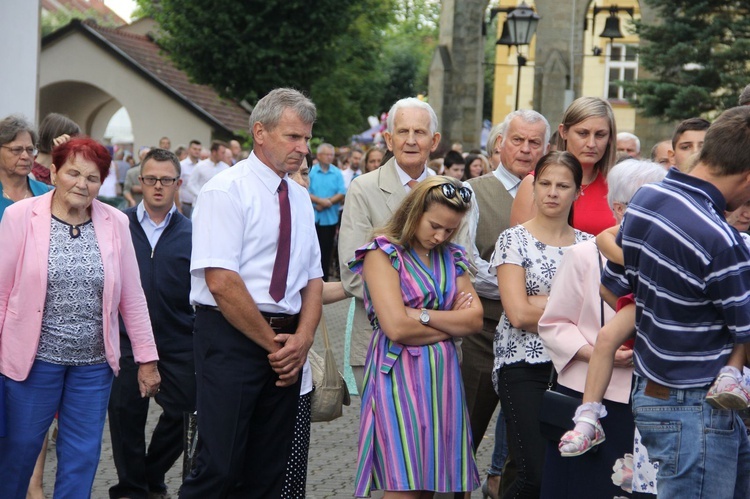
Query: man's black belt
(276, 321)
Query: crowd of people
(557, 259)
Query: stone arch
(86, 104)
(87, 79)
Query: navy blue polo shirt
(690, 274)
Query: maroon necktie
(281, 265)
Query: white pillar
(19, 59)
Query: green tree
(410, 42)
(52, 21)
(329, 49)
(351, 90)
(245, 48)
(697, 57)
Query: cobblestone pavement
(333, 446)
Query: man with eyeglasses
(162, 238)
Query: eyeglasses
(165, 181)
(17, 151)
(449, 191)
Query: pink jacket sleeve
(559, 325)
(572, 319)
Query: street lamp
(518, 30)
(522, 22)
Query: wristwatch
(424, 317)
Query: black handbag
(557, 409)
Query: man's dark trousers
(245, 422)
(127, 420)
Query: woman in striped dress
(414, 436)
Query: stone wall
(456, 74)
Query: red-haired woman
(66, 270)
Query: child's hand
(623, 357)
(607, 245)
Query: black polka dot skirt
(295, 478)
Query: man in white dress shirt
(187, 166)
(256, 285)
(354, 170)
(207, 169)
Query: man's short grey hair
(625, 178)
(410, 102)
(496, 131)
(325, 145)
(14, 124)
(630, 136)
(269, 109)
(527, 116)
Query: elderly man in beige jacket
(372, 198)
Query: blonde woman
(415, 437)
(589, 133)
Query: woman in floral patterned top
(526, 259)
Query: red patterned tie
(281, 265)
(412, 183)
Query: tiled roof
(144, 55)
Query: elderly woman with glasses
(67, 271)
(414, 436)
(17, 153)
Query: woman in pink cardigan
(67, 268)
(568, 328)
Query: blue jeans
(500, 452)
(79, 395)
(702, 452)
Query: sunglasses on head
(449, 191)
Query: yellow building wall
(594, 67)
(506, 71)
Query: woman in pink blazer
(67, 268)
(568, 328)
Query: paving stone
(333, 445)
